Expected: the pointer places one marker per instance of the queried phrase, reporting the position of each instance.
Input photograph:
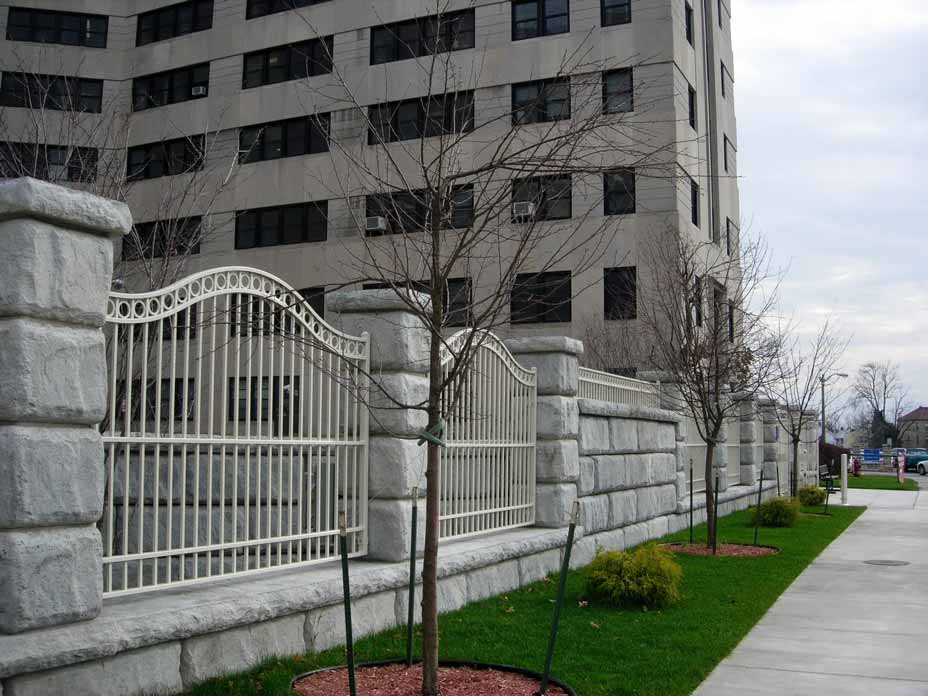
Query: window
(162, 238)
(445, 114)
(620, 293)
(619, 187)
(162, 394)
(289, 62)
(540, 298)
(170, 87)
(723, 79)
(616, 12)
(531, 18)
(288, 224)
(731, 236)
(540, 101)
(550, 194)
(405, 211)
(243, 400)
(688, 19)
(67, 28)
(694, 202)
(53, 92)
(424, 36)
(260, 8)
(726, 145)
(697, 301)
(731, 322)
(720, 14)
(49, 162)
(174, 20)
(692, 108)
(618, 91)
(315, 298)
(308, 135)
(165, 158)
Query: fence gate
(488, 467)
(235, 432)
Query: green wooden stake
(715, 506)
(760, 488)
(829, 484)
(411, 614)
(346, 594)
(691, 500)
(562, 584)
(778, 479)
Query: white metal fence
(235, 432)
(604, 386)
(488, 467)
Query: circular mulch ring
(723, 549)
(815, 514)
(456, 678)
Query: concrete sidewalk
(844, 627)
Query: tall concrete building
(246, 74)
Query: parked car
(916, 459)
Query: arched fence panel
(236, 432)
(488, 466)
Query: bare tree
(880, 389)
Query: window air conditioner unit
(523, 210)
(376, 224)
(198, 91)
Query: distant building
(914, 428)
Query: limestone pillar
(56, 264)
(752, 442)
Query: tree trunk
(430, 564)
(711, 522)
(794, 488)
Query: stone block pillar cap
(64, 207)
(545, 344)
(381, 300)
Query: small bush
(811, 495)
(779, 512)
(648, 577)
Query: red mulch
(400, 680)
(724, 549)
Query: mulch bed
(723, 549)
(815, 514)
(400, 680)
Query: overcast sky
(832, 106)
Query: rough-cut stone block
(544, 344)
(390, 389)
(452, 593)
(680, 430)
(325, 628)
(51, 476)
(390, 530)
(154, 670)
(492, 580)
(53, 273)
(237, 649)
(637, 470)
(586, 483)
(594, 513)
(636, 534)
(558, 418)
(676, 522)
(49, 576)
(683, 457)
(682, 484)
(51, 372)
(557, 373)
(656, 437)
(623, 507)
(557, 461)
(749, 431)
(612, 540)
(582, 553)
(662, 468)
(594, 435)
(611, 472)
(623, 435)
(658, 527)
(647, 503)
(538, 565)
(553, 503)
(749, 475)
(396, 465)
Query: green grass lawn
(882, 483)
(601, 650)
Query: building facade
(913, 428)
(233, 71)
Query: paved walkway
(844, 627)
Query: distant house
(914, 428)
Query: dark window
(162, 238)
(288, 224)
(540, 298)
(158, 397)
(618, 91)
(550, 194)
(540, 101)
(531, 18)
(731, 236)
(619, 188)
(688, 19)
(424, 36)
(405, 211)
(694, 202)
(723, 79)
(692, 107)
(445, 114)
(165, 158)
(616, 12)
(315, 298)
(290, 62)
(49, 162)
(170, 87)
(260, 8)
(462, 207)
(731, 322)
(53, 92)
(307, 135)
(67, 28)
(725, 145)
(720, 14)
(244, 399)
(174, 20)
(697, 301)
(620, 293)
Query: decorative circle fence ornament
(885, 562)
